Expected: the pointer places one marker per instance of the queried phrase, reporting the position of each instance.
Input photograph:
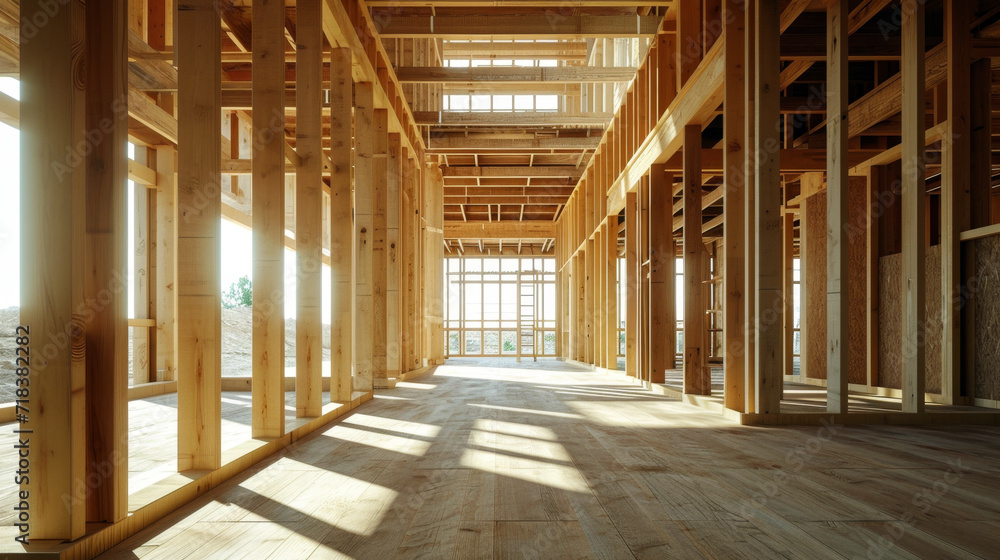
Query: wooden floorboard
(494, 459)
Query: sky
(237, 240)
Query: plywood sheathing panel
(856, 277)
(815, 286)
(987, 318)
(890, 321)
(815, 282)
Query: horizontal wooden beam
(500, 49)
(507, 144)
(508, 191)
(526, 75)
(512, 88)
(514, 200)
(499, 230)
(512, 171)
(798, 160)
(518, 26)
(10, 111)
(521, 119)
(144, 110)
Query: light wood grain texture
(52, 288)
(166, 264)
(393, 256)
(734, 318)
(697, 378)
(837, 296)
(380, 312)
(268, 162)
(631, 284)
(105, 262)
(199, 204)
(569, 463)
(309, 208)
(364, 324)
(768, 221)
(341, 225)
(914, 201)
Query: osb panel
(891, 321)
(934, 330)
(890, 318)
(857, 282)
(815, 286)
(987, 318)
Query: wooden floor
(494, 459)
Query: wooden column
(268, 211)
(769, 306)
(689, 43)
(309, 209)
(611, 299)
(631, 283)
(364, 325)
(837, 324)
(431, 263)
(105, 261)
(142, 271)
(393, 257)
(590, 300)
(914, 200)
(644, 267)
(380, 131)
(597, 263)
(788, 282)
(341, 227)
(199, 203)
(697, 376)
(52, 288)
(734, 321)
(750, 207)
(166, 263)
(407, 250)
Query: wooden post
(611, 299)
(166, 263)
(836, 207)
(914, 199)
(341, 227)
(750, 207)
(393, 256)
(697, 376)
(631, 283)
(644, 268)
(309, 209)
(52, 288)
(734, 200)
(589, 299)
(199, 203)
(769, 306)
(380, 131)
(788, 282)
(597, 265)
(268, 210)
(689, 43)
(433, 212)
(105, 260)
(363, 222)
(141, 272)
